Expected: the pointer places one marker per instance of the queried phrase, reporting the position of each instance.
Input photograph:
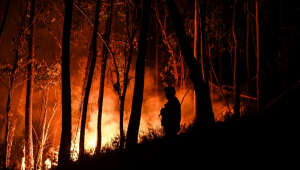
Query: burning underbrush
(150, 127)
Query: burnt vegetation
(82, 83)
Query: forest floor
(250, 142)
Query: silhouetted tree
(247, 8)
(258, 55)
(236, 57)
(4, 17)
(201, 10)
(119, 87)
(136, 107)
(92, 64)
(66, 131)
(204, 113)
(102, 75)
(29, 160)
(197, 30)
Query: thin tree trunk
(66, 131)
(258, 57)
(29, 160)
(4, 17)
(8, 108)
(123, 96)
(102, 76)
(247, 43)
(8, 113)
(197, 40)
(136, 107)
(236, 56)
(10, 137)
(93, 52)
(204, 113)
(197, 30)
(131, 35)
(157, 38)
(203, 49)
(42, 141)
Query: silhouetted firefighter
(171, 114)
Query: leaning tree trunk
(29, 160)
(66, 131)
(102, 76)
(136, 107)
(93, 52)
(4, 17)
(204, 113)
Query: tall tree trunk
(130, 34)
(102, 76)
(4, 17)
(157, 38)
(197, 30)
(136, 107)
(93, 52)
(10, 94)
(204, 113)
(29, 160)
(198, 43)
(203, 36)
(258, 56)
(123, 96)
(247, 42)
(8, 113)
(236, 56)
(239, 28)
(66, 131)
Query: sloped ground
(257, 142)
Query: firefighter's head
(169, 92)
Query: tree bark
(102, 76)
(93, 52)
(4, 17)
(204, 113)
(29, 160)
(136, 107)
(66, 132)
